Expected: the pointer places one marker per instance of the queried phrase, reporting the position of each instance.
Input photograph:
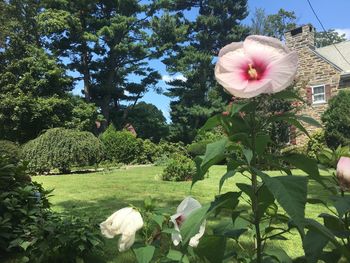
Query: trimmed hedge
(62, 149)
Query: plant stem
(346, 223)
(255, 196)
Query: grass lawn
(98, 195)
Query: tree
(190, 47)
(274, 25)
(336, 120)
(147, 120)
(329, 37)
(108, 44)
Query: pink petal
(234, 61)
(255, 88)
(230, 47)
(282, 72)
(231, 81)
(264, 49)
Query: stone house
(321, 74)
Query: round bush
(179, 168)
(10, 150)
(62, 149)
(315, 144)
(121, 146)
(337, 121)
(150, 152)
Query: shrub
(179, 168)
(315, 144)
(10, 150)
(197, 148)
(337, 121)
(171, 148)
(62, 149)
(150, 152)
(30, 231)
(120, 146)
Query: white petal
(125, 242)
(231, 82)
(176, 238)
(236, 61)
(282, 72)
(194, 241)
(230, 47)
(187, 206)
(131, 223)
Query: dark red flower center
(179, 220)
(254, 71)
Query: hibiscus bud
(225, 113)
(278, 113)
(186, 207)
(124, 222)
(343, 173)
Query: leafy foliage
(30, 231)
(120, 146)
(62, 149)
(179, 168)
(10, 150)
(336, 120)
(329, 37)
(316, 144)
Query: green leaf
(309, 120)
(334, 224)
(237, 108)
(192, 224)
(144, 254)
(261, 142)
(226, 176)
(211, 123)
(158, 219)
(342, 204)
(290, 192)
(248, 154)
(279, 254)
(212, 248)
(306, 164)
(177, 256)
(292, 121)
(215, 152)
(25, 245)
(325, 232)
(226, 229)
(286, 94)
(313, 244)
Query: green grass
(97, 195)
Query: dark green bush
(336, 120)
(121, 146)
(171, 148)
(179, 168)
(62, 149)
(10, 150)
(30, 231)
(315, 144)
(150, 152)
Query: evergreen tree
(191, 52)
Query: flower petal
(187, 206)
(230, 47)
(125, 242)
(234, 61)
(282, 72)
(255, 88)
(176, 238)
(194, 241)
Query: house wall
(313, 70)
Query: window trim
(313, 95)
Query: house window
(318, 94)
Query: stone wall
(313, 70)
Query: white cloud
(345, 31)
(168, 78)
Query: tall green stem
(255, 196)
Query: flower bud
(343, 173)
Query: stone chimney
(301, 37)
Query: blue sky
(333, 14)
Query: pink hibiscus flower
(258, 65)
